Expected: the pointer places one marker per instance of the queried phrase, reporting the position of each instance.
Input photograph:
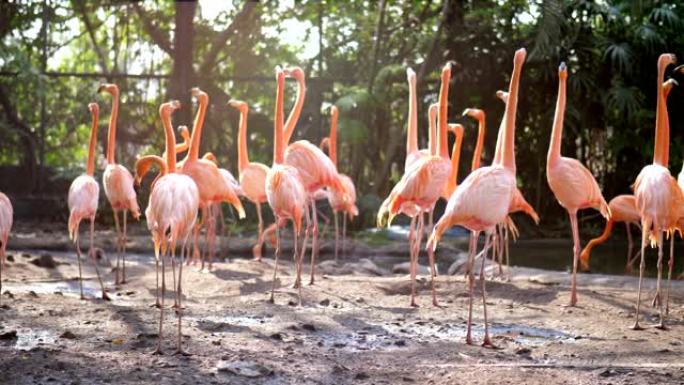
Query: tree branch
(155, 33)
(80, 6)
(220, 40)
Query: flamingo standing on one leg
(82, 200)
(658, 197)
(118, 186)
(6, 214)
(171, 215)
(344, 203)
(285, 192)
(316, 170)
(572, 184)
(622, 209)
(482, 200)
(212, 186)
(422, 185)
(252, 175)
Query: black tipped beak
(101, 88)
(679, 69)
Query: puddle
(69, 288)
(28, 339)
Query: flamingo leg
(337, 234)
(124, 240)
(92, 255)
(412, 263)
(416, 245)
(433, 270)
(506, 252)
(256, 250)
(78, 257)
(299, 259)
(645, 226)
(176, 305)
(179, 296)
(472, 249)
(575, 258)
(487, 341)
(275, 267)
(118, 246)
(344, 234)
(630, 249)
(314, 242)
(298, 264)
(669, 275)
(661, 324)
(2, 262)
(161, 307)
(156, 268)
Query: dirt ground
(354, 326)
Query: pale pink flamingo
(82, 200)
(658, 197)
(118, 186)
(422, 185)
(6, 214)
(482, 200)
(252, 175)
(572, 184)
(622, 209)
(212, 186)
(344, 203)
(171, 214)
(316, 170)
(285, 192)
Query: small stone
(248, 369)
(325, 302)
(216, 342)
(400, 343)
(58, 293)
(45, 261)
(277, 336)
(361, 376)
(32, 294)
(10, 335)
(10, 258)
(523, 351)
(291, 303)
(68, 335)
(309, 327)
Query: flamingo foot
(181, 352)
(105, 297)
(636, 326)
(656, 300)
(487, 343)
(413, 303)
(311, 282)
(660, 326)
(271, 299)
(158, 351)
(469, 340)
(436, 304)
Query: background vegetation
(53, 55)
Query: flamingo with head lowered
(118, 186)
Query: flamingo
(622, 209)
(422, 185)
(118, 186)
(482, 200)
(171, 214)
(212, 186)
(285, 192)
(316, 170)
(345, 203)
(6, 214)
(82, 200)
(572, 184)
(252, 175)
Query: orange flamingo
(6, 214)
(212, 186)
(345, 203)
(422, 185)
(171, 214)
(82, 200)
(252, 175)
(572, 184)
(482, 200)
(316, 170)
(285, 192)
(622, 209)
(118, 186)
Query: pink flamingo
(212, 186)
(171, 214)
(345, 203)
(118, 186)
(316, 170)
(658, 196)
(422, 185)
(252, 175)
(6, 214)
(82, 200)
(285, 192)
(482, 200)
(572, 184)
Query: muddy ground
(354, 326)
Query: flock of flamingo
(186, 195)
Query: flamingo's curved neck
(442, 139)
(332, 145)
(278, 134)
(193, 152)
(143, 165)
(557, 133)
(511, 109)
(170, 139)
(412, 129)
(456, 156)
(111, 138)
(477, 154)
(432, 126)
(243, 156)
(661, 150)
(90, 165)
(293, 118)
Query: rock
(248, 369)
(361, 376)
(10, 335)
(400, 343)
(45, 261)
(366, 266)
(403, 268)
(309, 327)
(523, 351)
(325, 302)
(68, 335)
(458, 267)
(32, 294)
(10, 258)
(277, 336)
(328, 267)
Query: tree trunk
(183, 76)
